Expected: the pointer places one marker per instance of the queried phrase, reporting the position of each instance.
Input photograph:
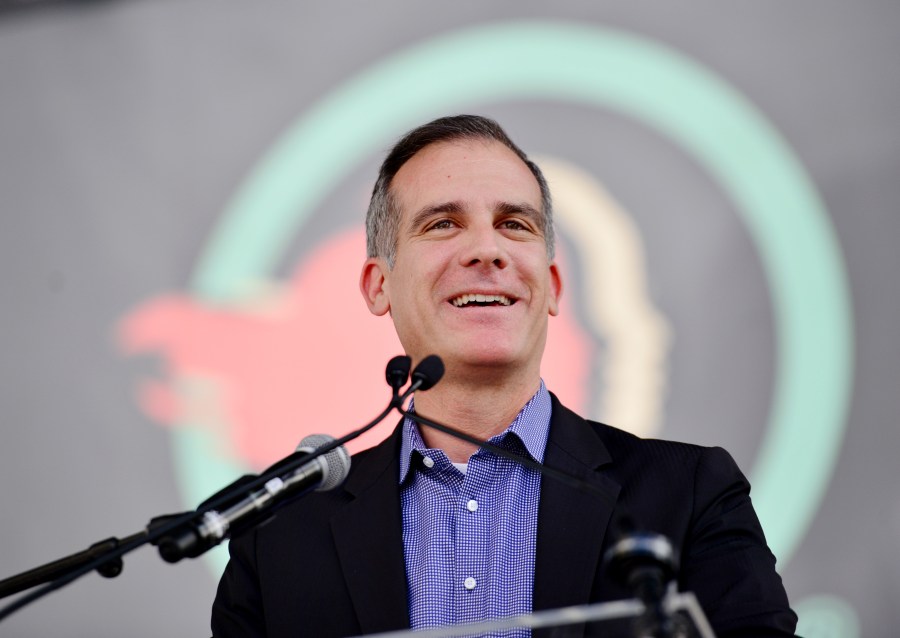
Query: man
(428, 530)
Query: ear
(372, 286)
(556, 288)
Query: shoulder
(671, 457)
(671, 472)
(625, 454)
(666, 485)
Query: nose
(484, 246)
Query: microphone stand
(106, 556)
(51, 571)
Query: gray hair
(383, 216)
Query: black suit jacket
(331, 564)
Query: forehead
(469, 172)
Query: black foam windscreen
(428, 372)
(397, 371)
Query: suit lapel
(368, 534)
(571, 523)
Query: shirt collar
(530, 426)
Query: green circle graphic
(643, 80)
(825, 616)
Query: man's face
(471, 281)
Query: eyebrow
(523, 209)
(432, 211)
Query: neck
(477, 407)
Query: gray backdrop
(126, 128)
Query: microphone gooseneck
(545, 470)
(426, 375)
(175, 542)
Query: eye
(513, 224)
(443, 224)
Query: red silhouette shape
(309, 358)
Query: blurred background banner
(183, 187)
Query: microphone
(426, 374)
(334, 465)
(397, 372)
(191, 538)
(322, 473)
(646, 563)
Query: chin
(490, 358)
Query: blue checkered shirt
(469, 539)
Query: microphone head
(397, 371)
(335, 464)
(636, 552)
(428, 372)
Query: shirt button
(472, 505)
(427, 462)
(470, 583)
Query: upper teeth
(469, 298)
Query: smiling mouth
(474, 299)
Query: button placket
(470, 525)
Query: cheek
(426, 272)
